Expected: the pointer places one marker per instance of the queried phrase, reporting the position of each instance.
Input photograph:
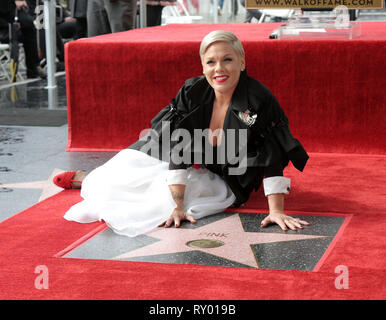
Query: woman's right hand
(178, 215)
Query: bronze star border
(238, 239)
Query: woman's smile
(221, 78)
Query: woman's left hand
(284, 221)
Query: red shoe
(64, 180)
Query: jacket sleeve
(158, 141)
(279, 144)
(176, 156)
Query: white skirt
(130, 194)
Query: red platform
(332, 91)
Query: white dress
(131, 195)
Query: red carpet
(331, 183)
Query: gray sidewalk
(33, 139)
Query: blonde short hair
(221, 35)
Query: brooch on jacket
(247, 117)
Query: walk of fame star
(231, 241)
(48, 187)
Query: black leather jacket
(269, 140)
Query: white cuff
(178, 176)
(277, 184)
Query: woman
(134, 192)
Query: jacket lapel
(201, 97)
(239, 104)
